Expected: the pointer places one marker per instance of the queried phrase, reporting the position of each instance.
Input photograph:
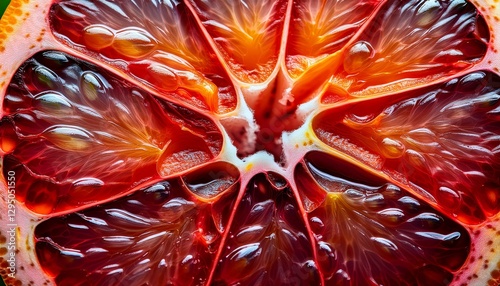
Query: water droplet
(69, 138)
(96, 250)
(172, 61)
(98, 37)
(457, 5)
(392, 148)
(84, 188)
(134, 43)
(53, 103)
(358, 56)
(71, 255)
(421, 136)
(427, 13)
(341, 277)
(310, 265)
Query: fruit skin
(19, 40)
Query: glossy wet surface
(166, 154)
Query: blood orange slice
(250, 142)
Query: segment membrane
(248, 34)
(411, 41)
(81, 135)
(157, 42)
(159, 233)
(370, 232)
(77, 136)
(443, 142)
(267, 243)
(321, 28)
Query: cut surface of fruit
(248, 34)
(414, 40)
(441, 141)
(82, 136)
(267, 244)
(369, 230)
(250, 142)
(148, 41)
(159, 233)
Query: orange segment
(155, 50)
(83, 136)
(157, 234)
(321, 28)
(441, 141)
(409, 43)
(248, 34)
(370, 232)
(266, 241)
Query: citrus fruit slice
(250, 142)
